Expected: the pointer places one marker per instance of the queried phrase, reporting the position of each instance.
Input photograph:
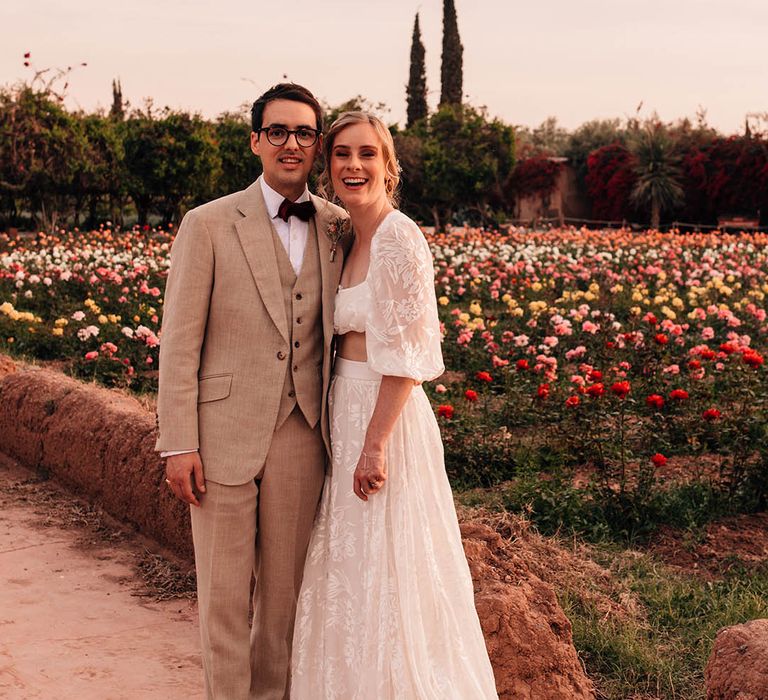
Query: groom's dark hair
(285, 91)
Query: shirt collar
(274, 199)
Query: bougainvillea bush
(566, 350)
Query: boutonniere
(336, 229)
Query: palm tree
(657, 169)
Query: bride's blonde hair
(391, 166)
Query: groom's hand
(184, 473)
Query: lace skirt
(386, 610)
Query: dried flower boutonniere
(336, 229)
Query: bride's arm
(402, 337)
(371, 470)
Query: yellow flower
(678, 303)
(137, 318)
(103, 319)
(57, 331)
(7, 308)
(61, 322)
(506, 299)
(443, 301)
(671, 315)
(113, 318)
(635, 310)
(617, 288)
(516, 312)
(589, 296)
(475, 308)
(536, 286)
(594, 288)
(464, 317)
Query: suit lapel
(256, 240)
(330, 270)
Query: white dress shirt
(294, 232)
(293, 235)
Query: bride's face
(358, 173)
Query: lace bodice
(395, 306)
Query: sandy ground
(75, 621)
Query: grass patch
(661, 653)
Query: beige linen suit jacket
(225, 336)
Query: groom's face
(286, 167)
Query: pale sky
(573, 59)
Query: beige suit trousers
(260, 527)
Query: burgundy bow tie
(304, 210)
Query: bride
(386, 610)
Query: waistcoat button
(280, 355)
(296, 344)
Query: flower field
(565, 348)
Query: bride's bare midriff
(351, 346)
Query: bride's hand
(370, 474)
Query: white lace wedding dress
(386, 610)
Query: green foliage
(452, 58)
(466, 157)
(416, 90)
(239, 167)
(171, 161)
(657, 168)
(42, 148)
(661, 650)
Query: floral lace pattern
(403, 331)
(386, 610)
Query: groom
(244, 371)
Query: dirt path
(76, 620)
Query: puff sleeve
(402, 329)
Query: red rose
(621, 389)
(445, 411)
(572, 401)
(727, 348)
(708, 354)
(711, 414)
(651, 319)
(470, 395)
(543, 391)
(595, 375)
(483, 376)
(654, 401)
(752, 358)
(522, 365)
(596, 390)
(678, 394)
(659, 460)
(661, 338)
(694, 364)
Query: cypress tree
(416, 90)
(451, 69)
(117, 111)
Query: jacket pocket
(213, 387)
